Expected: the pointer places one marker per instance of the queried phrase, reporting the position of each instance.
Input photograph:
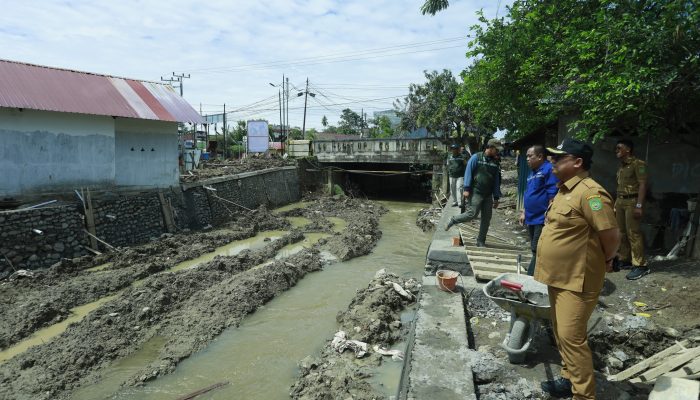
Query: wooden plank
(506, 250)
(692, 368)
(643, 365)
(90, 219)
(667, 388)
(505, 254)
(486, 275)
(501, 269)
(167, 213)
(494, 260)
(670, 364)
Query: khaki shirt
(631, 173)
(569, 253)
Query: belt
(628, 196)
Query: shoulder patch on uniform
(642, 169)
(593, 196)
(595, 203)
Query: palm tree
(433, 6)
(324, 121)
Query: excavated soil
(187, 309)
(215, 168)
(373, 317)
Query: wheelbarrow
(528, 303)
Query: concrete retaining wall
(123, 219)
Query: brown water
(46, 334)
(259, 358)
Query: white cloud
(227, 46)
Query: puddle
(46, 334)
(99, 267)
(259, 358)
(310, 239)
(298, 222)
(339, 224)
(293, 206)
(253, 243)
(122, 370)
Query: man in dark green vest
(456, 165)
(482, 188)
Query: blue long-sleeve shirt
(541, 188)
(470, 173)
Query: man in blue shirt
(539, 192)
(482, 188)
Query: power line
(333, 55)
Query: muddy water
(259, 358)
(46, 334)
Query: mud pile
(186, 309)
(214, 168)
(373, 317)
(26, 305)
(428, 218)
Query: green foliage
(350, 122)
(311, 133)
(433, 105)
(239, 131)
(324, 121)
(625, 66)
(338, 191)
(433, 6)
(295, 134)
(381, 127)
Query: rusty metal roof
(38, 87)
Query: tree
(433, 105)
(239, 131)
(381, 127)
(324, 121)
(350, 122)
(631, 66)
(433, 6)
(311, 134)
(295, 133)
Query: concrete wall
(50, 151)
(61, 236)
(146, 153)
(274, 187)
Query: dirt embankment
(186, 308)
(214, 168)
(373, 317)
(30, 304)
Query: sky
(357, 54)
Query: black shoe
(480, 244)
(637, 272)
(558, 388)
(449, 224)
(624, 265)
(454, 204)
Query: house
(61, 129)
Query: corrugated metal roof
(38, 87)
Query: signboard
(213, 119)
(257, 136)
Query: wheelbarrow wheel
(518, 337)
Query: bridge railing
(427, 151)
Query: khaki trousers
(631, 240)
(570, 314)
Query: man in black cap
(577, 246)
(482, 188)
(455, 171)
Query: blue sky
(356, 54)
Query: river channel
(259, 358)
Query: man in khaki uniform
(631, 190)
(577, 246)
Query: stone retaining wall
(123, 219)
(40, 237)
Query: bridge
(380, 151)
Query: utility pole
(279, 98)
(282, 110)
(224, 152)
(287, 111)
(306, 94)
(180, 77)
